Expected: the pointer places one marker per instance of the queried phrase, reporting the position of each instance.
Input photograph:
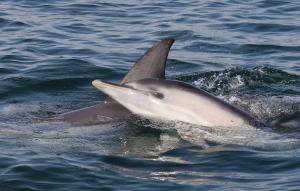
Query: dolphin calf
(175, 100)
(151, 65)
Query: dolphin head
(140, 97)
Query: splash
(265, 92)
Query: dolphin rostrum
(175, 100)
(151, 65)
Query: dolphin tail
(151, 65)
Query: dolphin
(176, 100)
(151, 65)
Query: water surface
(245, 52)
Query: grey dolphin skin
(175, 100)
(151, 65)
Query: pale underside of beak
(109, 88)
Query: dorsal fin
(152, 64)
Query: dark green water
(246, 52)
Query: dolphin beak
(108, 87)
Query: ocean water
(245, 52)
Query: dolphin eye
(158, 95)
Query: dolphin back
(104, 112)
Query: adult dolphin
(175, 100)
(151, 65)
